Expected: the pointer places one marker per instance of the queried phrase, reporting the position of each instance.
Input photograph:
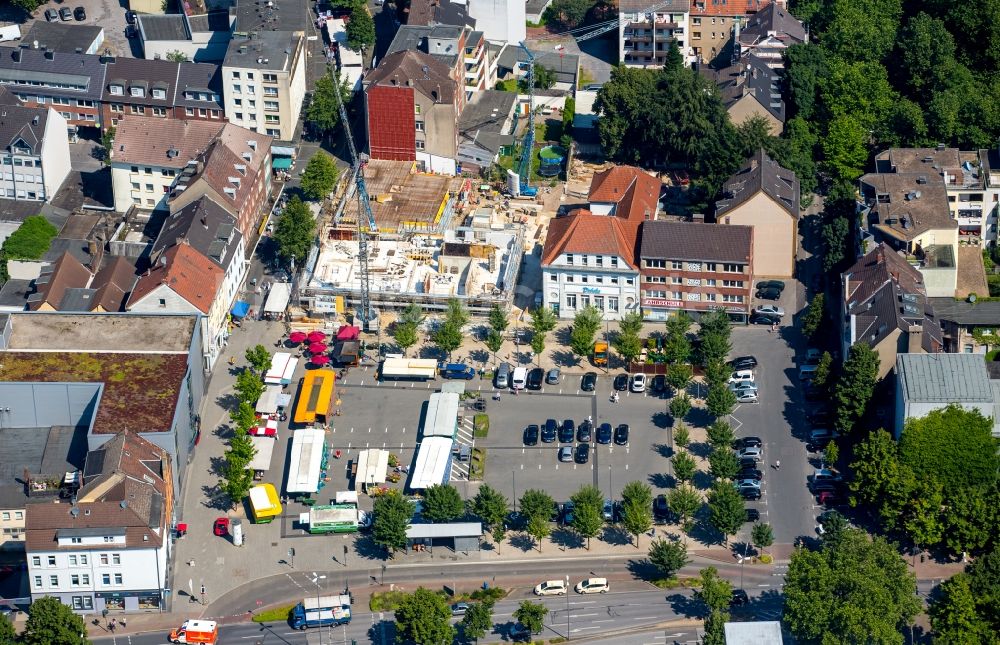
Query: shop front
(657, 309)
(128, 600)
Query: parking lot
(109, 14)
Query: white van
(520, 378)
(551, 588)
(592, 585)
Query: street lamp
(567, 607)
(315, 580)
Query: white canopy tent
(305, 461)
(277, 297)
(262, 458)
(441, 419)
(433, 462)
(373, 465)
(268, 401)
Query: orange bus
(316, 393)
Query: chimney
(49, 54)
(914, 336)
(698, 217)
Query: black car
(768, 294)
(604, 433)
(549, 431)
(621, 382)
(130, 17)
(740, 597)
(750, 473)
(753, 515)
(621, 434)
(659, 384)
(535, 378)
(80, 13)
(771, 284)
(820, 417)
(819, 445)
(588, 382)
(567, 431)
(584, 432)
(661, 510)
(519, 633)
(764, 319)
(531, 435)
(749, 442)
(743, 363)
(826, 485)
(750, 492)
(748, 462)
(130, 31)
(582, 453)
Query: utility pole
(203, 594)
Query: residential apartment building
(645, 31)
(590, 257)
(768, 33)
(695, 267)
(765, 196)
(71, 84)
(110, 548)
(713, 22)
(264, 82)
(967, 327)
(412, 105)
(461, 49)
(750, 89)
(149, 154)
(160, 89)
(67, 285)
(501, 21)
(910, 213)
(885, 306)
(34, 153)
(989, 160)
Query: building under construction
(432, 246)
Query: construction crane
(364, 210)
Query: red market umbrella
(297, 336)
(348, 332)
(320, 359)
(317, 348)
(316, 337)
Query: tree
(456, 313)
(714, 591)
(498, 534)
(861, 30)
(537, 503)
(824, 370)
(392, 514)
(490, 506)
(405, 335)
(588, 512)
(361, 29)
(715, 627)
(953, 446)
(543, 320)
(107, 141)
(836, 236)
(494, 341)
(725, 505)
(717, 373)
(177, 56)
(295, 231)
(834, 524)
(237, 478)
(971, 516)
(856, 385)
(845, 149)
(676, 346)
(875, 468)
(761, 535)
(478, 620)
(813, 316)
(684, 466)
(631, 323)
(248, 386)
(567, 14)
(320, 176)
(243, 417)
(8, 635)
(531, 615)
(922, 518)
(637, 514)
(28, 5)
(720, 400)
(858, 590)
(323, 112)
(412, 315)
(985, 584)
(442, 503)
(538, 345)
(831, 454)
(50, 621)
(586, 322)
(682, 437)
(447, 337)
(539, 529)
(684, 501)
(259, 358)
(668, 555)
(680, 406)
(720, 434)
(544, 78)
(954, 614)
(679, 376)
(31, 239)
(628, 346)
(805, 71)
(424, 617)
(498, 319)
(723, 463)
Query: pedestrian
(777, 464)
(123, 623)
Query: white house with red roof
(591, 256)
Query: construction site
(438, 238)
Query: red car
(221, 527)
(830, 498)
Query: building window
(38, 581)
(36, 560)
(270, 78)
(599, 279)
(419, 126)
(137, 91)
(74, 580)
(271, 106)
(135, 185)
(656, 264)
(106, 578)
(420, 145)
(149, 188)
(189, 111)
(614, 280)
(118, 578)
(52, 561)
(236, 74)
(72, 560)
(732, 268)
(571, 301)
(271, 91)
(159, 94)
(274, 132)
(6, 516)
(84, 603)
(271, 118)
(599, 259)
(612, 304)
(137, 109)
(569, 259)
(116, 558)
(202, 112)
(110, 538)
(158, 111)
(676, 265)
(599, 302)
(736, 284)
(584, 279)
(728, 298)
(569, 278)
(585, 301)
(629, 281)
(104, 559)
(709, 297)
(675, 280)
(54, 581)
(83, 560)
(238, 89)
(117, 90)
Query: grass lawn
(273, 614)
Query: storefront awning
(281, 163)
(240, 309)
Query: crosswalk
(460, 469)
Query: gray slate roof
(750, 76)
(80, 70)
(274, 50)
(163, 27)
(778, 20)
(206, 226)
(62, 36)
(944, 378)
(437, 12)
(24, 124)
(761, 174)
(564, 67)
(985, 313)
(283, 15)
(485, 117)
(694, 241)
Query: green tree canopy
(320, 176)
(31, 239)
(714, 591)
(637, 509)
(248, 386)
(531, 615)
(725, 505)
(392, 513)
(723, 463)
(679, 406)
(684, 466)
(668, 555)
(490, 506)
(761, 535)
(856, 385)
(442, 503)
(953, 445)
(8, 635)
(424, 617)
(50, 621)
(628, 346)
(478, 620)
(447, 337)
(720, 434)
(721, 401)
(259, 358)
(295, 231)
(537, 503)
(405, 335)
(360, 29)
(684, 501)
(588, 512)
(498, 319)
(538, 528)
(323, 112)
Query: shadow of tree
(702, 480)
(522, 541)
(662, 420)
(662, 480)
(365, 547)
(564, 358)
(217, 465)
(617, 536)
(700, 417)
(567, 538)
(383, 631)
(643, 569)
(663, 450)
(700, 449)
(215, 498)
(687, 605)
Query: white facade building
(644, 36)
(573, 281)
(34, 160)
(501, 21)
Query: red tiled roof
(170, 143)
(188, 273)
(727, 7)
(67, 273)
(229, 150)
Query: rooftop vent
(921, 180)
(74, 511)
(123, 504)
(49, 54)
(172, 152)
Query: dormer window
(159, 94)
(117, 89)
(135, 90)
(241, 168)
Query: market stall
(264, 503)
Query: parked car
(750, 493)
(768, 294)
(661, 509)
(502, 377)
(749, 442)
(566, 513)
(130, 17)
(831, 498)
(551, 588)
(582, 453)
(747, 483)
(638, 382)
(604, 433)
(519, 633)
(51, 15)
(764, 319)
(741, 375)
(751, 453)
(813, 392)
(588, 382)
(566, 453)
(748, 462)
(553, 377)
(621, 434)
(825, 484)
(659, 384)
(773, 310)
(750, 473)
(825, 474)
(535, 378)
(459, 609)
(621, 382)
(519, 378)
(608, 511)
(742, 386)
(592, 585)
(753, 515)
(812, 356)
(743, 363)
(80, 13)
(584, 432)
(531, 435)
(822, 434)
(739, 597)
(549, 431)
(221, 527)
(567, 431)
(66, 14)
(746, 396)
(771, 284)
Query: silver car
(746, 396)
(752, 452)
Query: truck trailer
(409, 368)
(321, 611)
